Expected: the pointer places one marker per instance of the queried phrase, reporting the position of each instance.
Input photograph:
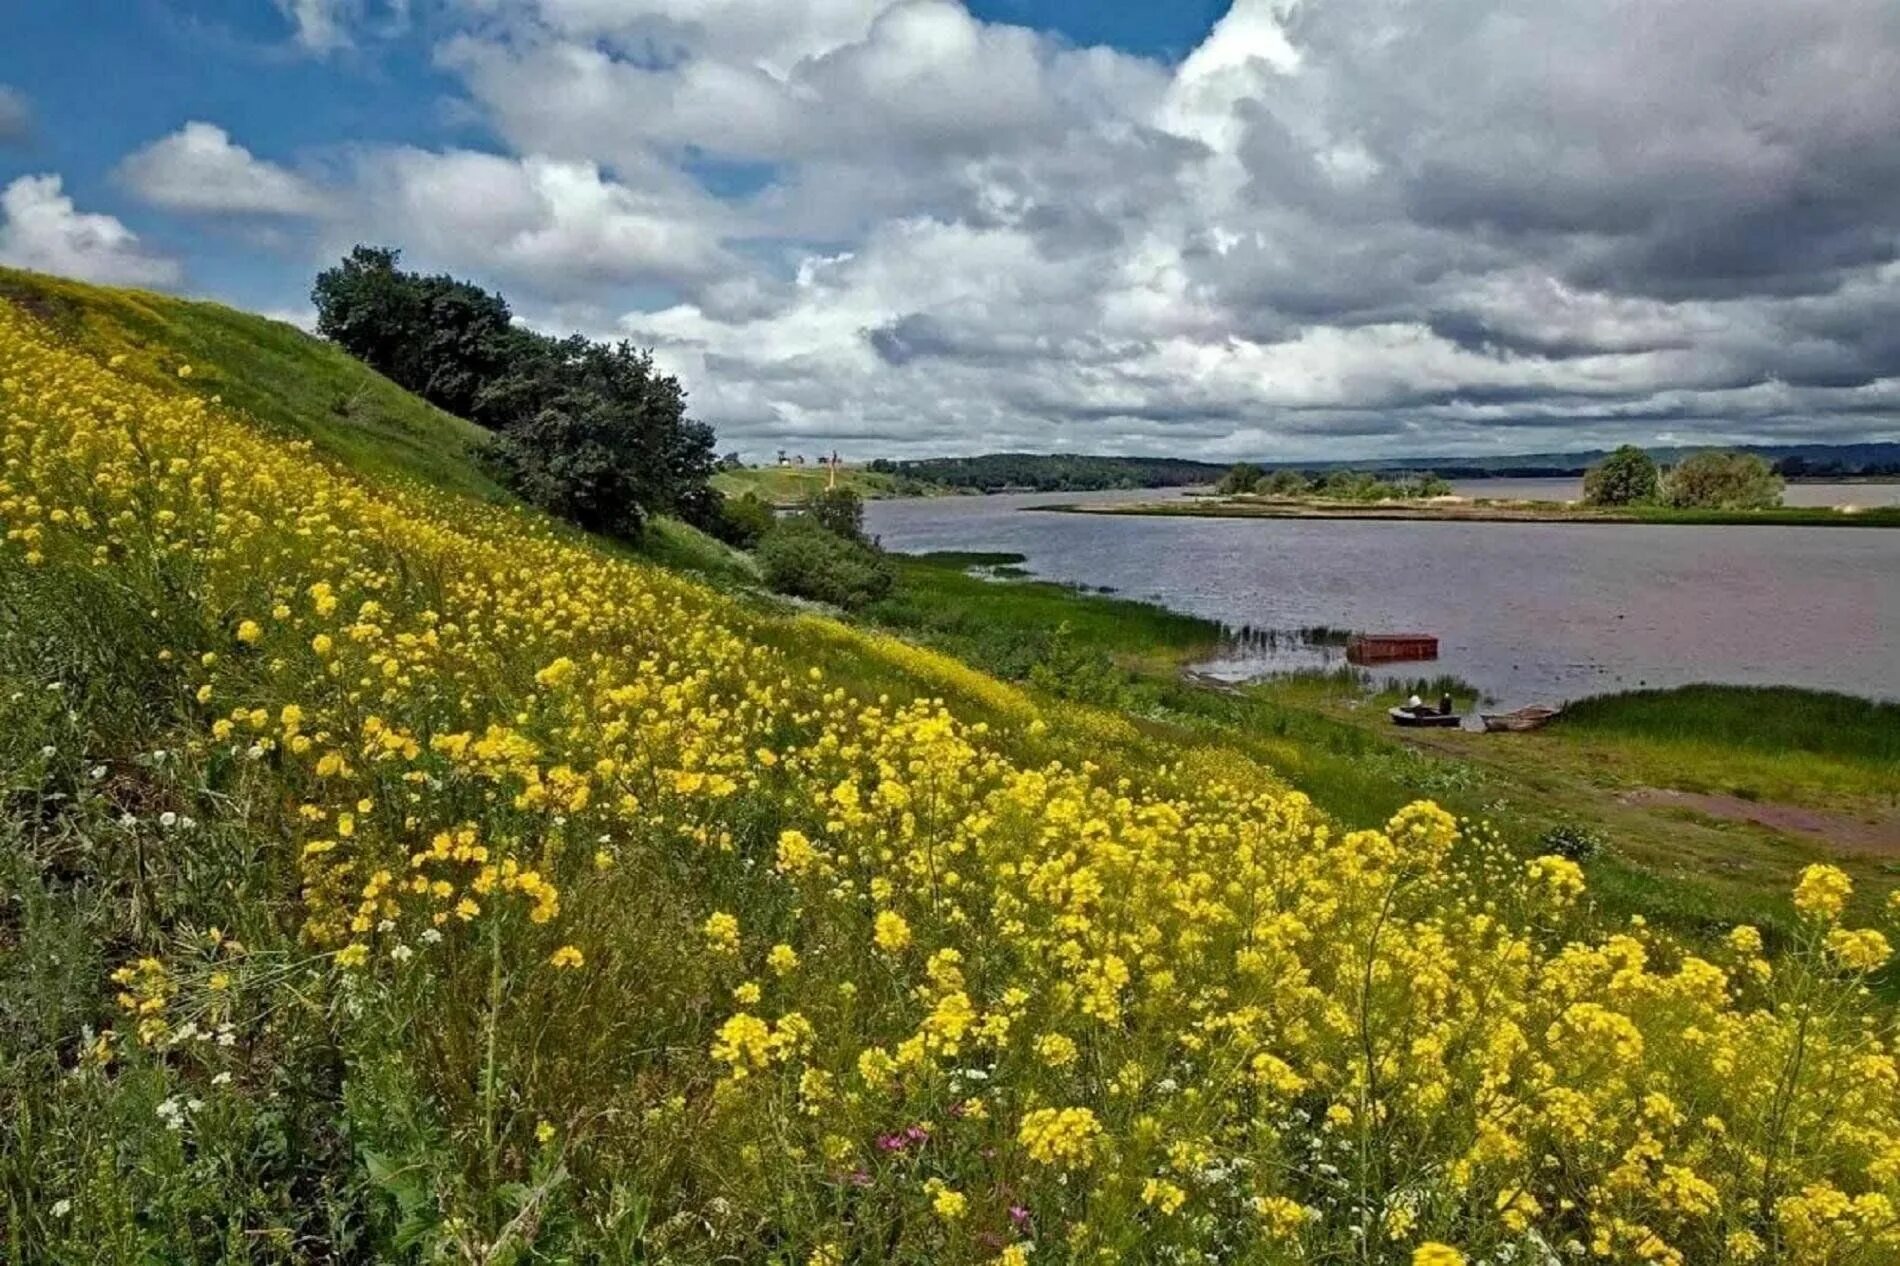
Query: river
(1529, 612)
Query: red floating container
(1390, 648)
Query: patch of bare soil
(1840, 831)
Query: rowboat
(1424, 717)
(1534, 717)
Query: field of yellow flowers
(393, 876)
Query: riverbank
(1463, 510)
(1692, 807)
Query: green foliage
(1573, 840)
(1240, 479)
(1722, 480)
(743, 520)
(588, 431)
(443, 339)
(1363, 485)
(608, 442)
(839, 511)
(803, 558)
(1624, 478)
(1284, 483)
(1773, 720)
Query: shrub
(802, 557)
(839, 511)
(1285, 483)
(1242, 477)
(1722, 480)
(1626, 477)
(1573, 840)
(743, 521)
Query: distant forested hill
(1054, 472)
(1071, 472)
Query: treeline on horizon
(1076, 472)
(1053, 472)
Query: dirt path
(1837, 831)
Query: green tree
(1285, 483)
(590, 431)
(839, 511)
(609, 443)
(1626, 477)
(743, 520)
(441, 338)
(1722, 479)
(1241, 477)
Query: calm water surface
(1535, 612)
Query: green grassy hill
(298, 386)
(788, 485)
(389, 873)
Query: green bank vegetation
(1482, 511)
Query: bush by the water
(1722, 480)
(394, 876)
(1626, 477)
(802, 557)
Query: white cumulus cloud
(199, 168)
(41, 229)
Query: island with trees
(1708, 486)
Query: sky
(1270, 229)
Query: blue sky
(908, 226)
(105, 77)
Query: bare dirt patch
(1840, 831)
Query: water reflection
(1534, 612)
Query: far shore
(1468, 510)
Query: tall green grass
(1771, 720)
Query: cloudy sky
(1275, 229)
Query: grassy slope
(785, 485)
(1316, 735)
(1330, 739)
(294, 384)
(1358, 773)
(303, 387)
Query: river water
(1529, 612)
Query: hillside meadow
(392, 874)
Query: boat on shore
(1424, 716)
(1534, 717)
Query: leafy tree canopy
(1626, 477)
(1722, 479)
(589, 431)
